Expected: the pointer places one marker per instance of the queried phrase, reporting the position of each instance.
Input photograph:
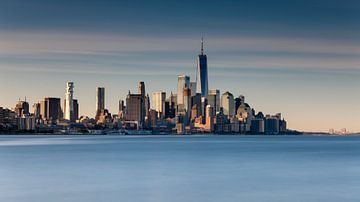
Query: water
(178, 169)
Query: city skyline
(307, 69)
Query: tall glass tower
(202, 73)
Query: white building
(158, 102)
(69, 101)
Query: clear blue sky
(301, 58)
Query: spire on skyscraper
(202, 45)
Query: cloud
(133, 55)
(84, 43)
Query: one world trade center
(202, 73)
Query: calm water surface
(179, 169)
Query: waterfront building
(36, 110)
(136, 107)
(209, 123)
(2, 115)
(153, 117)
(26, 122)
(183, 82)
(144, 101)
(121, 111)
(196, 101)
(245, 114)
(239, 101)
(133, 108)
(214, 99)
(76, 110)
(75, 113)
(227, 103)
(202, 73)
(100, 100)
(204, 103)
(22, 108)
(158, 102)
(272, 125)
(173, 99)
(257, 126)
(69, 107)
(50, 109)
(187, 104)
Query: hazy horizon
(301, 59)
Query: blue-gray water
(178, 169)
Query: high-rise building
(227, 103)
(50, 109)
(202, 73)
(170, 106)
(76, 110)
(257, 126)
(100, 100)
(196, 104)
(239, 101)
(137, 106)
(158, 101)
(187, 104)
(173, 100)
(204, 103)
(2, 116)
(75, 113)
(121, 109)
(22, 108)
(187, 99)
(141, 88)
(69, 107)
(272, 125)
(133, 108)
(214, 99)
(193, 88)
(144, 101)
(209, 122)
(183, 82)
(36, 110)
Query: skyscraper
(214, 100)
(136, 106)
(50, 109)
(228, 104)
(158, 101)
(100, 100)
(75, 115)
(144, 101)
(141, 88)
(187, 104)
(22, 108)
(202, 73)
(133, 108)
(69, 101)
(183, 82)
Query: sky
(300, 58)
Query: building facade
(227, 103)
(69, 107)
(100, 100)
(183, 82)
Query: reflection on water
(186, 168)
